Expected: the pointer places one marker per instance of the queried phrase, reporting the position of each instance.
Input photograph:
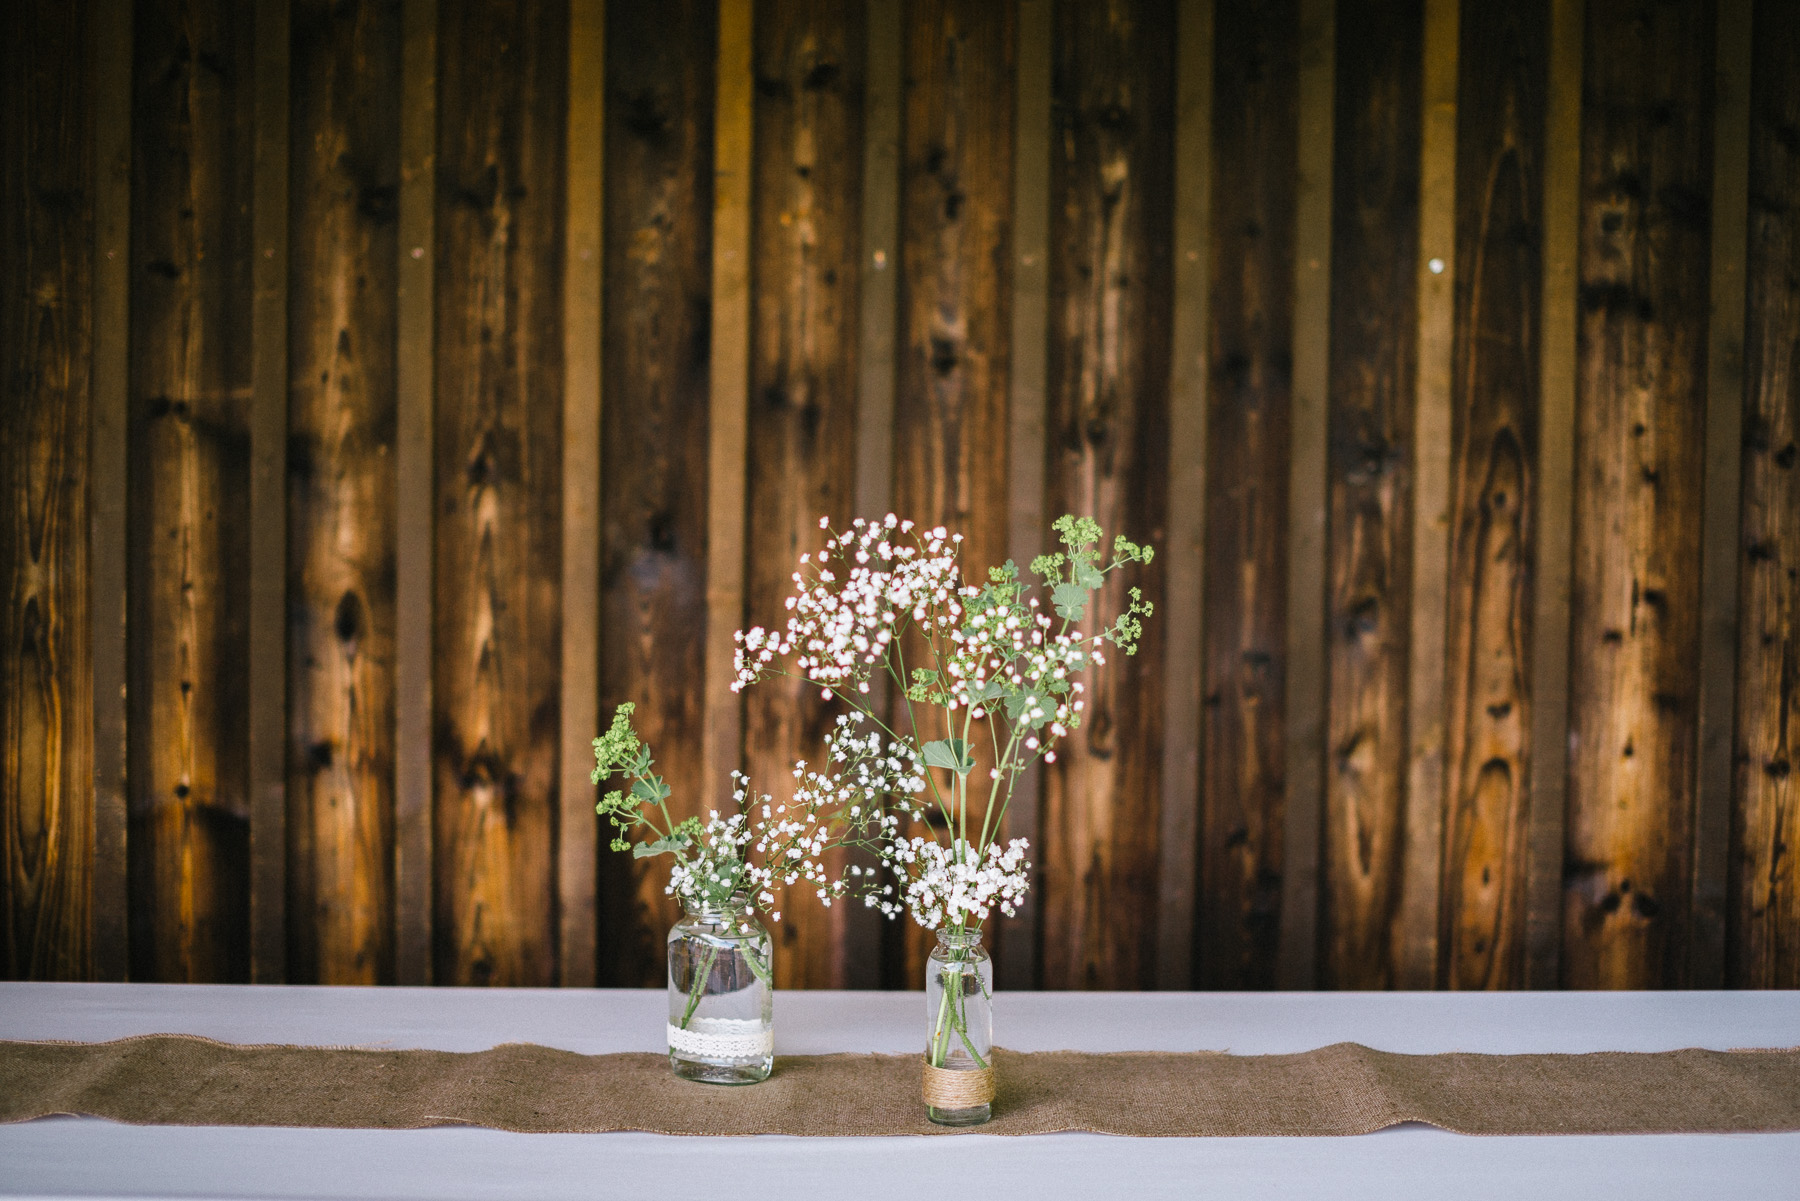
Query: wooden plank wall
(1445, 349)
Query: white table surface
(76, 1157)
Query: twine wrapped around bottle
(958, 1088)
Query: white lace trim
(722, 1038)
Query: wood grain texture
(808, 67)
(1014, 943)
(414, 504)
(1764, 930)
(498, 489)
(1111, 184)
(266, 667)
(1307, 637)
(1373, 349)
(109, 412)
(340, 480)
(1555, 507)
(1250, 361)
(1493, 516)
(1720, 516)
(578, 826)
(659, 162)
(1646, 173)
(1435, 270)
(728, 419)
(46, 324)
(190, 392)
(1185, 541)
(950, 407)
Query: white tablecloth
(68, 1157)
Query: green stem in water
(697, 988)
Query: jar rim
(737, 906)
(959, 936)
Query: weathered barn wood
(1184, 541)
(1764, 932)
(1476, 594)
(189, 586)
(1488, 714)
(1639, 408)
(340, 493)
(1249, 365)
(1111, 186)
(1307, 642)
(808, 68)
(46, 329)
(950, 426)
(659, 162)
(578, 826)
(498, 490)
(107, 534)
(1373, 334)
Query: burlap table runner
(1343, 1089)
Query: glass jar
(959, 1029)
(721, 1013)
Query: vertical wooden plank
(1184, 543)
(267, 667)
(495, 727)
(414, 406)
(1250, 359)
(1027, 524)
(950, 411)
(1644, 243)
(46, 331)
(1108, 424)
(1373, 467)
(1488, 705)
(804, 255)
(1416, 943)
(877, 310)
(578, 827)
(339, 456)
(880, 279)
(660, 64)
(1552, 566)
(1720, 504)
(1303, 823)
(1765, 912)
(193, 155)
(112, 51)
(1646, 171)
(729, 389)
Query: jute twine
(957, 1088)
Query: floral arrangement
(990, 664)
(990, 671)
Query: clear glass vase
(721, 1013)
(959, 1029)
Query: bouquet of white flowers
(994, 667)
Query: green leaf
(662, 846)
(1088, 576)
(950, 753)
(1070, 601)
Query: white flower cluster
(711, 870)
(841, 630)
(1005, 653)
(862, 773)
(955, 886)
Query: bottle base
(973, 1115)
(702, 1071)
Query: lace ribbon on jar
(721, 1038)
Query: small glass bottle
(721, 1013)
(959, 1029)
